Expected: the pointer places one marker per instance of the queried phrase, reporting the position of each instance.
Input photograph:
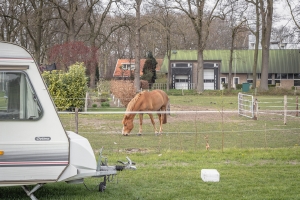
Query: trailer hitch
(102, 165)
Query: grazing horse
(156, 100)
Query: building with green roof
(284, 68)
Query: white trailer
(34, 147)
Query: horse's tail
(167, 112)
(165, 118)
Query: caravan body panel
(34, 143)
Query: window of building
(269, 81)
(270, 76)
(290, 76)
(18, 100)
(277, 76)
(296, 82)
(296, 76)
(277, 82)
(128, 66)
(284, 76)
(258, 75)
(182, 65)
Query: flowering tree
(69, 53)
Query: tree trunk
(230, 69)
(200, 82)
(265, 42)
(256, 45)
(255, 60)
(137, 47)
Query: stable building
(284, 68)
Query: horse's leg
(153, 123)
(141, 123)
(161, 119)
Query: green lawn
(256, 159)
(244, 174)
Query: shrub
(67, 89)
(144, 84)
(239, 86)
(123, 90)
(103, 88)
(105, 104)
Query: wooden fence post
(297, 105)
(285, 109)
(255, 109)
(86, 101)
(76, 120)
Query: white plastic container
(210, 175)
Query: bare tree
(295, 12)
(237, 25)
(195, 10)
(73, 14)
(33, 16)
(95, 25)
(9, 26)
(164, 17)
(255, 32)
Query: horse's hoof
(125, 134)
(139, 134)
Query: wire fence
(190, 129)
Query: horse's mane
(133, 101)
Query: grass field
(256, 159)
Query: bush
(105, 104)
(239, 86)
(123, 90)
(144, 84)
(67, 89)
(103, 88)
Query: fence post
(86, 101)
(297, 105)
(285, 109)
(76, 120)
(255, 109)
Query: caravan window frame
(27, 107)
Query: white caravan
(34, 147)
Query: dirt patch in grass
(205, 114)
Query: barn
(284, 68)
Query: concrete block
(210, 175)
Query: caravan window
(18, 100)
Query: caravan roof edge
(9, 67)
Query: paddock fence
(194, 127)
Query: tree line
(114, 29)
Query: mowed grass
(244, 174)
(256, 159)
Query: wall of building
(287, 84)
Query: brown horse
(156, 100)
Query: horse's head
(127, 125)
